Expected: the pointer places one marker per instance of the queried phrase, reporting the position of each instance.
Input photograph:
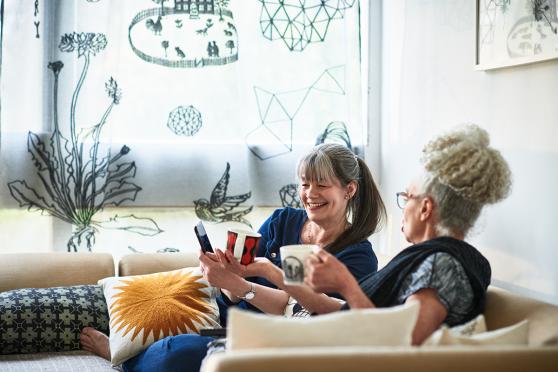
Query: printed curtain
(139, 117)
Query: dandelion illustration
(77, 182)
(86, 43)
(163, 304)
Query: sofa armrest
(53, 269)
(440, 359)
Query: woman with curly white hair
(445, 274)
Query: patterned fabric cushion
(146, 308)
(36, 320)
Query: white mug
(292, 262)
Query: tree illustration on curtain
(78, 181)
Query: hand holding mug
(231, 264)
(292, 262)
(260, 268)
(243, 245)
(325, 273)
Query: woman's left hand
(230, 263)
(216, 273)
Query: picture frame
(515, 32)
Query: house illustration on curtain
(201, 6)
(206, 37)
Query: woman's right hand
(259, 267)
(325, 273)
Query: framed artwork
(515, 32)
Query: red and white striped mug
(243, 244)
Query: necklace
(308, 234)
(311, 235)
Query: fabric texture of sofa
(42, 270)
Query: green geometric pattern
(36, 320)
(300, 22)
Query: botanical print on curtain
(143, 116)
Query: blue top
(283, 227)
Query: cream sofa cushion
(364, 327)
(516, 334)
(472, 327)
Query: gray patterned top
(442, 272)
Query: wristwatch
(250, 294)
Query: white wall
(429, 85)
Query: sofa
(42, 270)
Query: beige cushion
(44, 270)
(516, 334)
(148, 263)
(366, 327)
(147, 308)
(472, 327)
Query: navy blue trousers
(174, 353)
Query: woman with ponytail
(342, 207)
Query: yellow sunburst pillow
(146, 308)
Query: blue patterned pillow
(49, 319)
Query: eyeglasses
(404, 197)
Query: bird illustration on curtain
(222, 208)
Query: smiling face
(327, 183)
(325, 200)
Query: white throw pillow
(516, 334)
(472, 327)
(364, 327)
(146, 308)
